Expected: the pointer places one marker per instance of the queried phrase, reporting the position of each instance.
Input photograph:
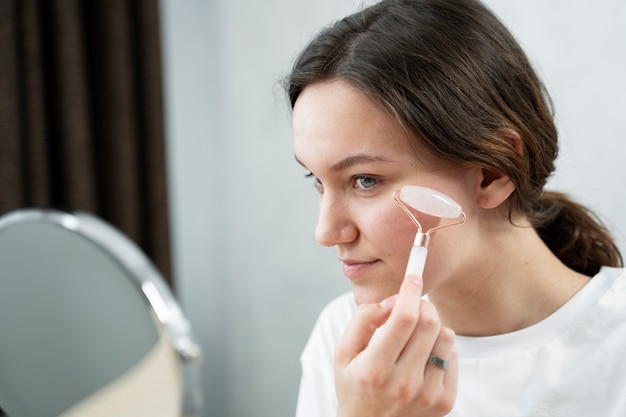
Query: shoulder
(603, 316)
(613, 282)
(316, 395)
(335, 316)
(605, 291)
(339, 310)
(330, 325)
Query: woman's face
(358, 155)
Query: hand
(389, 374)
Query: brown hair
(455, 77)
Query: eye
(317, 182)
(365, 182)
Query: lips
(354, 269)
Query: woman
(526, 308)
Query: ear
(495, 187)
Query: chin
(365, 295)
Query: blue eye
(366, 182)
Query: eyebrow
(353, 160)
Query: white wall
(248, 271)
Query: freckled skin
(334, 123)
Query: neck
(512, 283)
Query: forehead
(334, 119)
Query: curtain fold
(81, 114)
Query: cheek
(393, 232)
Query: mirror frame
(143, 274)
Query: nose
(335, 225)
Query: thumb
(367, 318)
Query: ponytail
(456, 96)
(575, 234)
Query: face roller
(432, 203)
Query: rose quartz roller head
(432, 203)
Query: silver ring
(438, 362)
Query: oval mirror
(88, 326)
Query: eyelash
(367, 177)
(319, 186)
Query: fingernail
(417, 279)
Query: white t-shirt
(573, 363)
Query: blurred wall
(248, 271)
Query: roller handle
(417, 260)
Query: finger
(440, 390)
(450, 380)
(440, 386)
(442, 349)
(452, 373)
(367, 318)
(394, 335)
(423, 341)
